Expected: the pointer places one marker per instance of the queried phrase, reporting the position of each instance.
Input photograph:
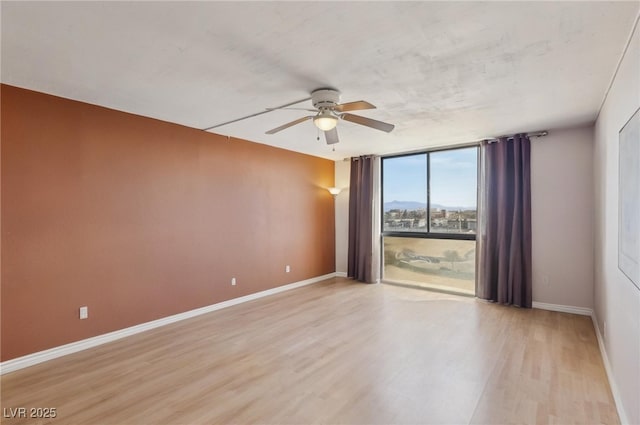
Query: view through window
(430, 219)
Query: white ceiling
(442, 72)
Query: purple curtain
(504, 245)
(361, 219)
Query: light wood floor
(334, 352)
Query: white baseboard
(607, 367)
(583, 311)
(341, 274)
(63, 350)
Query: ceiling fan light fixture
(325, 121)
(329, 111)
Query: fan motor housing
(325, 98)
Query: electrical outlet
(287, 268)
(233, 280)
(84, 312)
(546, 280)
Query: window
(454, 188)
(404, 188)
(430, 218)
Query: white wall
(617, 300)
(342, 170)
(561, 217)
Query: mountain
(404, 205)
(450, 208)
(414, 205)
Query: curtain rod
(533, 134)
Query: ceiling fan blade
(292, 109)
(378, 125)
(354, 106)
(331, 136)
(256, 114)
(289, 124)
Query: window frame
(428, 234)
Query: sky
(453, 178)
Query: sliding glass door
(429, 203)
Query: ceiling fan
(329, 112)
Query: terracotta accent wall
(139, 219)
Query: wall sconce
(334, 191)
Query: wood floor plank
(333, 352)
